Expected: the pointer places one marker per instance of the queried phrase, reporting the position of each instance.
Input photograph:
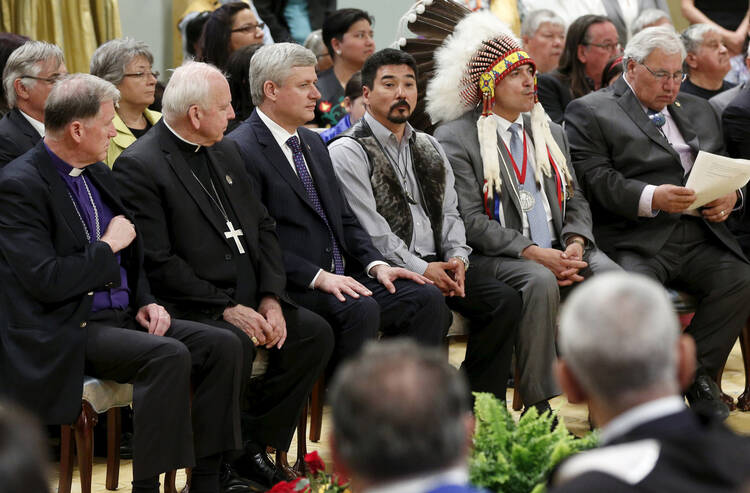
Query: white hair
(646, 18)
(27, 59)
(274, 62)
(536, 18)
(189, 85)
(111, 58)
(692, 36)
(642, 44)
(618, 334)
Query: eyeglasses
(663, 75)
(49, 80)
(141, 75)
(607, 46)
(249, 28)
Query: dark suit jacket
(736, 122)
(679, 452)
(49, 271)
(617, 151)
(190, 264)
(304, 236)
(272, 13)
(554, 94)
(16, 136)
(485, 235)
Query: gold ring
(722, 213)
(255, 340)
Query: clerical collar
(182, 144)
(38, 126)
(62, 167)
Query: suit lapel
(325, 194)
(23, 124)
(181, 168)
(683, 124)
(95, 173)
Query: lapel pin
(229, 179)
(677, 103)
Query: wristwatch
(579, 240)
(464, 260)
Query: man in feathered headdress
(525, 216)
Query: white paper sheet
(714, 176)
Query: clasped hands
(339, 286)
(266, 326)
(566, 265)
(674, 199)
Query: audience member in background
(229, 28)
(314, 43)
(76, 301)
(528, 224)
(722, 100)
(622, 354)
(189, 191)
(624, 13)
(567, 9)
(8, 43)
(740, 72)
(238, 76)
(543, 36)
(353, 104)
(590, 42)
(294, 19)
(24, 465)
(730, 17)
(612, 71)
(706, 63)
(193, 32)
(348, 35)
(632, 147)
(28, 78)
(649, 18)
(401, 421)
(127, 64)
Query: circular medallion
(527, 200)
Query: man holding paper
(633, 147)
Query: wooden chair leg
(170, 477)
(725, 398)
(517, 402)
(114, 434)
(316, 409)
(84, 433)
(743, 402)
(299, 466)
(66, 459)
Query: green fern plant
(510, 457)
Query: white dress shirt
(38, 126)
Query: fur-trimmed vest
(390, 198)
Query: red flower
(324, 106)
(282, 487)
(314, 463)
(339, 480)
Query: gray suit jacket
(617, 151)
(615, 14)
(488, 236)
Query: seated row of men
(309, 254)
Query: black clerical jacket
(49, 272)
(190, 263)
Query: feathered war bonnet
(468, 66)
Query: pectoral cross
(235, 235)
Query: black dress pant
(494, 311)
(693, 259)
(414, 310)
(271, 404)
(169, 431)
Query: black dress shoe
(704, 398)
(256, 466)
(231, 482)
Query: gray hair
(536, 18)
(618, 334)
(314, 42)
(642, 44)
(274, 62)
(189, 85)
(646, 18)
(111, 58)
(76, 97)
(692, 36)
(27, 60)
(399, 410)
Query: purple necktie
(312, 195)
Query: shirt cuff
(644, 204)
(415, 264)
(740, 201)
(312, 283)
(371, 265)
(457, 252)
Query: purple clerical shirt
(111, 298)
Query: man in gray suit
(525, 218)
(633, 147)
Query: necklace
(230, 233)
(96, 213)
(404, 183)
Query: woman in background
(229, 28)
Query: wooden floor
(574, 416)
